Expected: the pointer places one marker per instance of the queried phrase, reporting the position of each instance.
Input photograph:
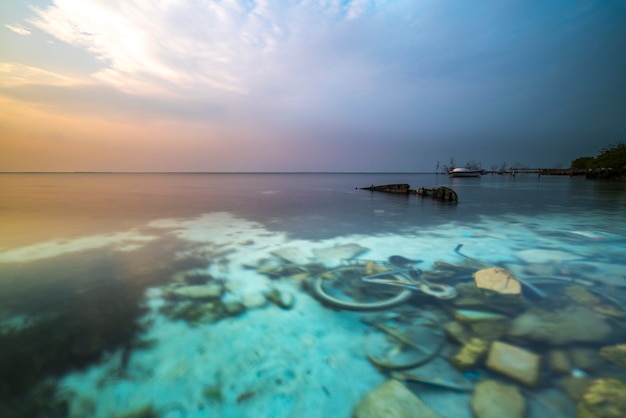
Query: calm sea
(91, 324)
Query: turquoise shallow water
(90, 265)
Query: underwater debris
(435, 381)
(401, 188)
(445, 194)
(403, 341)
(442, 193)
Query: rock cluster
(493, 328)
(209, 299)
(554, 339)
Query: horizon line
(272, 172)
(219, 172)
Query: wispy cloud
(17, 28)
(157, 47)
(14, 74)
(183, 47)
(332, 72)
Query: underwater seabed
(233, 331)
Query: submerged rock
(609, 311)
(254, 300)
(615, 353)
(603, 398)
(196, 312)
(582, 296)
(233, 307)
(499, 280)
(192, 276)
(291, 254)
(471, 297)
(471, 354)
(559, 361)
(281, 298)
(278, 271)
(562, 326)
(586, 358)
(574, 386)
(492, 399)
(402, 262)
(514, 362)
(541, 255)
(392, 400)
(438, 373)
(612, 274)
(334, 255)
(490, 330)
(209, 291)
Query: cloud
(336, 72)
(14, 74)
(198, 48)
(174, 47)
(265, 61)
(17, 28)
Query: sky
(328, 85)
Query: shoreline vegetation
(610, 163)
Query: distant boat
(465, 172)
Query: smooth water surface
(97, 271)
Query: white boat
(465, 172)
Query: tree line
(613, 156)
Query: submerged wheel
(344, 288)
(403, 340)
